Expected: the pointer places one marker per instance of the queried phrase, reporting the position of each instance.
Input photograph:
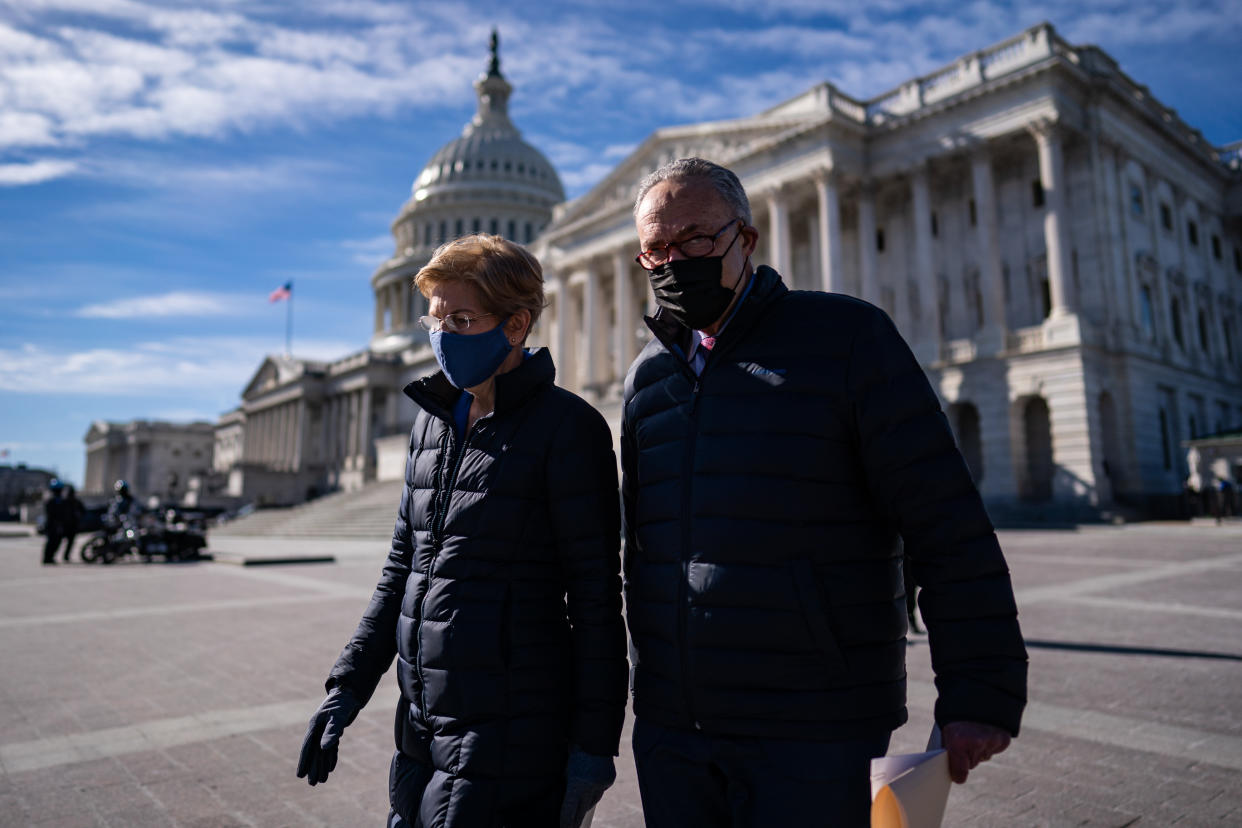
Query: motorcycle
(173, 538)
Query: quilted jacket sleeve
(582, 481)
(373, 646)
(918, 479)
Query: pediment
(723, 142)
(97, 431)
(267, 376)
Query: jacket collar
(436, 395)
(767, 287)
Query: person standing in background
(74, 510)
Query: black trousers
(50, 546)
(691, 780)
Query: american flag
(281, 293)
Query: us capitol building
(1062, 252)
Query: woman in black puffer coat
(501, 596)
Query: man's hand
(586, 778)
(970, 743)
(318, 758)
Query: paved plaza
(158, 695)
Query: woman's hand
(318, 758)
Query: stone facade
(1062, 252)
(158, 459)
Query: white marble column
(779, 242)
(832, 274)
(1125, 291)
(339, 437)
(380, 300)
(364, 427)
(927, 342)
(560, 339)
(325, 429)
(1056, 219)
(868, 279)
(623, 309)
(351, 432)
(594, 328)
(991, 338)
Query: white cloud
(15, 175)
(204, 367)
(175, 303)
(581, 179)
(369, 251)
(26, 129)
(618, 151)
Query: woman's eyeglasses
(453, 323)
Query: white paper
(910, 790)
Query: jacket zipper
(438, 517)
(683, 583)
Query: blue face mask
(469, 360)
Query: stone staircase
(368, 512)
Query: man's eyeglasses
(695, 247)
(453, 323)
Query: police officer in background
(123, 509)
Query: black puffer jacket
(765, 502)
(498, 673)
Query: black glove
(318, 757)
(586, 778)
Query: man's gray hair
(722, 180)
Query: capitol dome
(487, 180)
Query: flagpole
(289, 324)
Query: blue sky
(165, 165)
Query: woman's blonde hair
(507, 277)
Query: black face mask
(690, 289)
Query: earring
(512, 340)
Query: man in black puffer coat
(777, 447)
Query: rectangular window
(974, 218)
(493, 226)
(1147, 312)
(1164, 440)
(935, 224)
(1216, 247)
(1166, 216)
(512, 234)
(530, 233)
(458, 228)
(1203, 331)
(1237, 259)
(475, 224)
(1037, 193)
(879, 239)
(1192, 233)
(1136, 200)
